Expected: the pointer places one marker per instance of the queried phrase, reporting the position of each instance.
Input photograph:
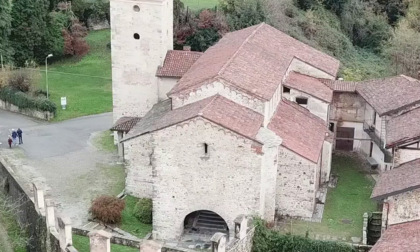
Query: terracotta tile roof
(217, 109)
(341, 86)
(405, 177)
(403, 128)
(252, 60)
(404, 237)
(125, 123)
(301, 131)
(390, 95)
(309, 85)
(177, 63)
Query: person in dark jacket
(19, 132)
(10, 141)
(14, 136)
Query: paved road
(61, 158)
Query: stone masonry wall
(217, 87)
(404, 207)
(226, 180)
(26, 213)
(44, 115)
(405, 155)
(296, 185)
(315, 106)
(141, 34)
(139, 156)
(165, 85)
(347, 107)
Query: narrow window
(206, 149)
(136, 36)
(286, 90)
(331, 127)
(136, 8)
(301, 100)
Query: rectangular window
(206, 149)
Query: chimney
(187, 48)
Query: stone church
(246, 128)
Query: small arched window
(302, 100)
(136, 8)
(136, 36)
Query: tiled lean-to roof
(252, 60)
(301, 131)
(216, 109)
(177, 63)
(404, 237)
(309, 85)
(390, 95)
(403, 178)
(403, 128)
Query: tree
(5, 29)
(404, 49)
(29, 30)
(74, 42)
(243, 13)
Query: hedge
(266, 240)
(26, 101)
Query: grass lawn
(82, 244)
(130, 223)
(345, 204)
(85, 95)
(200, 4)
(105, 141)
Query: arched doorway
(205, 222)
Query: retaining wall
(44, 115)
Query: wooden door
(344, 144)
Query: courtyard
(344, 206)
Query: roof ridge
(201, 111)
(239, 48)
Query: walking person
(14, 136)
(10, 142)
(19, 132)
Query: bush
(266, 240)
(26, 101)
(107, 209)
(144, 210)
(20, 80)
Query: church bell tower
(141, 34)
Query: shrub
(20, 80)
(144, 210)
(107, 209)
(26, 101)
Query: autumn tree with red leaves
(74, 39)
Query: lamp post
(46, 71)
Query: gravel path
(62, 159)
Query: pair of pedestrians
(15, 135)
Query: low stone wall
(27, 214)
(44, 115)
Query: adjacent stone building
(245, 128)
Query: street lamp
(46, 70)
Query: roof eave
(393, 193)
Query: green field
(70, 78)
(200, 4)
(130, 223)
(344, 206)
(82, 244)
